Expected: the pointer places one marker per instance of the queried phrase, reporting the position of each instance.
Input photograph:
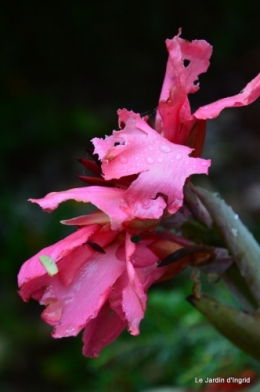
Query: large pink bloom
(106, 292)
(187, 60)
(101, 292)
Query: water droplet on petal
(150, 160)
(70, 331)
(160, 159)
(165, 148)
(123, 159)
(178, 156)
(204, 163)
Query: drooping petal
(128, 298)
(248, 95)
(109, 200)
(80, 301)
(101, 331)
(33, 275)
(133, 296)
(163, 166)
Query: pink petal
(197, 52)
(163, 166)
(248, 95)
(145, 263)
(81, 301)
(127, 298)
(95, 217)
(133, 296)
(33, 276)
(101, 331)
(174, 109)
(109, 200)
(69, 265)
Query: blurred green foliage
(65, 68)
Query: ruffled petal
(162, 166)
(174, 110)
(248, 95)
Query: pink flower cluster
(101, 275)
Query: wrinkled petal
(32, 274)
(109, 200)
(197, 53)
(101, 331)
(79, 302)
(174, 110)
(248, 95)
(162, 166)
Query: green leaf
(240, 242)
(242, 329)
(49, 264)
(237, 285)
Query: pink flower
(98, 278)
(101, 292)
(174, 119)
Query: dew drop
(150, 160)
(178, 157)
(165, 148)
(160, 159)
(204, 163)
(236, 216)
(234, 232)
(123, 159)
(70, 331)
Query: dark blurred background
(66, 67)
